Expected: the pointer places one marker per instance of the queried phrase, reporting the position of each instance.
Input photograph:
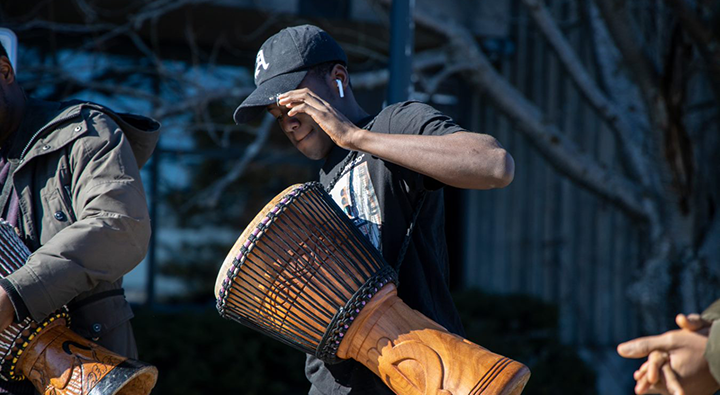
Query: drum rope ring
(21, 342)
(327, 349)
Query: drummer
(71, 187)
(386, 171)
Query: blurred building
(543, 235)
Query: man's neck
(355, 113)
(15, 117)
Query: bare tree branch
(560, 151)
(422, 61)
(707, 43)
(202, 98)
(434, 82)
(617, 83)
(645, 74)
(595, 97)
(210, 196)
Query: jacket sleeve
(712, 350)
(712, 313)
(112, 229)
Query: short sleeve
(421, 119)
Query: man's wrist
(358, 140)
(20, 310)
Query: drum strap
(408, 233)
(421, 199)
(72, 306)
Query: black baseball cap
(283, 61)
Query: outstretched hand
(343, 132)
(676, 364)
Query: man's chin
(314, 155)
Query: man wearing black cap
(385, 171)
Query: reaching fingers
(642, 386)
(658, 388)
(655, 361)
(671, 381)
(692, 322)
(641, 347)
(640, 373)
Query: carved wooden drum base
(414, 355)
(303, 273)
(60, 362)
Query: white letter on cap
(260, 61)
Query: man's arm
(463, 159)
(112, 230)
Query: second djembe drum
(302, 273)
(56, 360)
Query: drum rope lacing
(18, 335)
(337, 325)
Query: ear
(7, 74)
(339, 72)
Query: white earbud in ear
(340, 88)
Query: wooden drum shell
(56, 360)
(412, 354)
(60, 362)
(322, 288)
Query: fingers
(640, 373)
(691, 322)
(303, 101)
(641, 347)
(302, 108)
(642, 386)
(304, 95)
(655, 362)
(671, 381)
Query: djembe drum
(55, 359)
(302, 273)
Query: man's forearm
(463, 159)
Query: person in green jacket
(680, 362)
(70, 185)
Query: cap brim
(264, 95)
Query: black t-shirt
(381, 198)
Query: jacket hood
(142, 132)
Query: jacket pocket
(56, 215)
(94, 320)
